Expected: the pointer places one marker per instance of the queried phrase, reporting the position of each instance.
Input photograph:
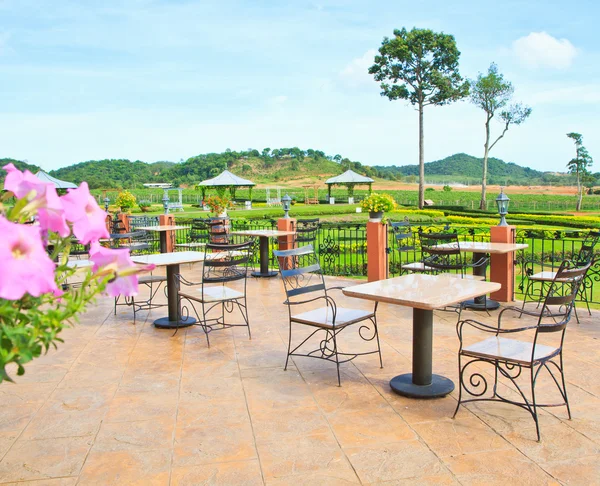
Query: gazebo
(348, 179)
(226, 180)
(41, 175)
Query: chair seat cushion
(149, 279)
(510, 350)
(193, 244)
(467, 276)
(417, 267)
(323, 317)
(546, 276)
(213, 294)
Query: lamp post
(502, 202)
(106, 203)
(286, 203)
(165, 201)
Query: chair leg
(460, 386)
(564, 386)
(377, 336)
(245, 316)
(337, 360)
(116, 302)
(534, 412)
(287, 358)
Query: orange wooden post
(124, 218)
(286, 242)
(502, 269)
(168, 220)
(376, 256)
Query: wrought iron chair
(154, 284)
(441, 253)
(510, 356)
(545, 278)
(198, 235)
(304, 283)
(404, 243)
(307, 231)
(226, 264)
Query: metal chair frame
(149, 281)
(302, 275)
(307, 231)
(584, 256)
(231, 265)
(553, 318)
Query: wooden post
(376, 256)
(286, 242)
(168, 220)
(502, 269)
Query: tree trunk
(421, 160)
(579, 193)
(486, 152)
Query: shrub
(447, 188)
(429, 189)
(375, 203)
(125, 200)
(144, 206)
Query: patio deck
(120, 403)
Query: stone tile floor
(123, 404)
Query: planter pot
(375, 216)
(351, 200)
(332, 200)
(223, 214)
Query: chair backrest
(561, 295)
(301, 273)
(586, 252)
(199, 232)
(225, 263)
(441, 251)
(403, 235)
(306, 231)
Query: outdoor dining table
(263, 238)
(172, 262)
(163, 233)
(480, 250)
(423, 293)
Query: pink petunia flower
(52, 215)
(117, 262)
(26, 267)
(81, 209)
(22, 183)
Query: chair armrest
(181, 280)
(487, 328)
(479, 263)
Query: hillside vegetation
(288, 164)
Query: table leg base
(165, 323)
(440, 386)
(489, 304)
(264, 275)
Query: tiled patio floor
(124, 404)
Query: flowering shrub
(125, 200)
(218, 204)
(375, 203)
(36, 302)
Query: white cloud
(584, 94)
(356, 73)
(540, 49)
(277, 100)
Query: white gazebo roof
(42, 176)
(349, 177)
(226, 178)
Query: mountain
(465, 167)
(19, 164)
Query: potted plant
(377, 204)
(144, 206)
(125, 201)
(218, 205)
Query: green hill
(19, 164)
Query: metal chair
(226, 264)
(510, 357)
(198, 235)
(304, 283)
(404, 243)
(584, 256)
(154, 284)
(307, 231)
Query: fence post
(502, 268)
(286, 242)
(168, 241)
(376, 255)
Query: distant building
(158, 185)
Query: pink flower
(26, 267)
(22, 183)
(52, 215)
(117, 262)
(81, 209)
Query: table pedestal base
(268, 274)
(440, 386)
(480, 304)
(166, 323)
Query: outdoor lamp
(502, 202)
(106, 203)
(286, 202)
(165, 201)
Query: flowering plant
(36, 302)
(376, 203)
(218, 204)
(125, 200)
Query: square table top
(486, 247)
(422, 291)
(164, 227)
(264, 233)
(163, 259)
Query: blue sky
(166, 80)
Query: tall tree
(420, 66)
(492, 94)
(579, 165)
